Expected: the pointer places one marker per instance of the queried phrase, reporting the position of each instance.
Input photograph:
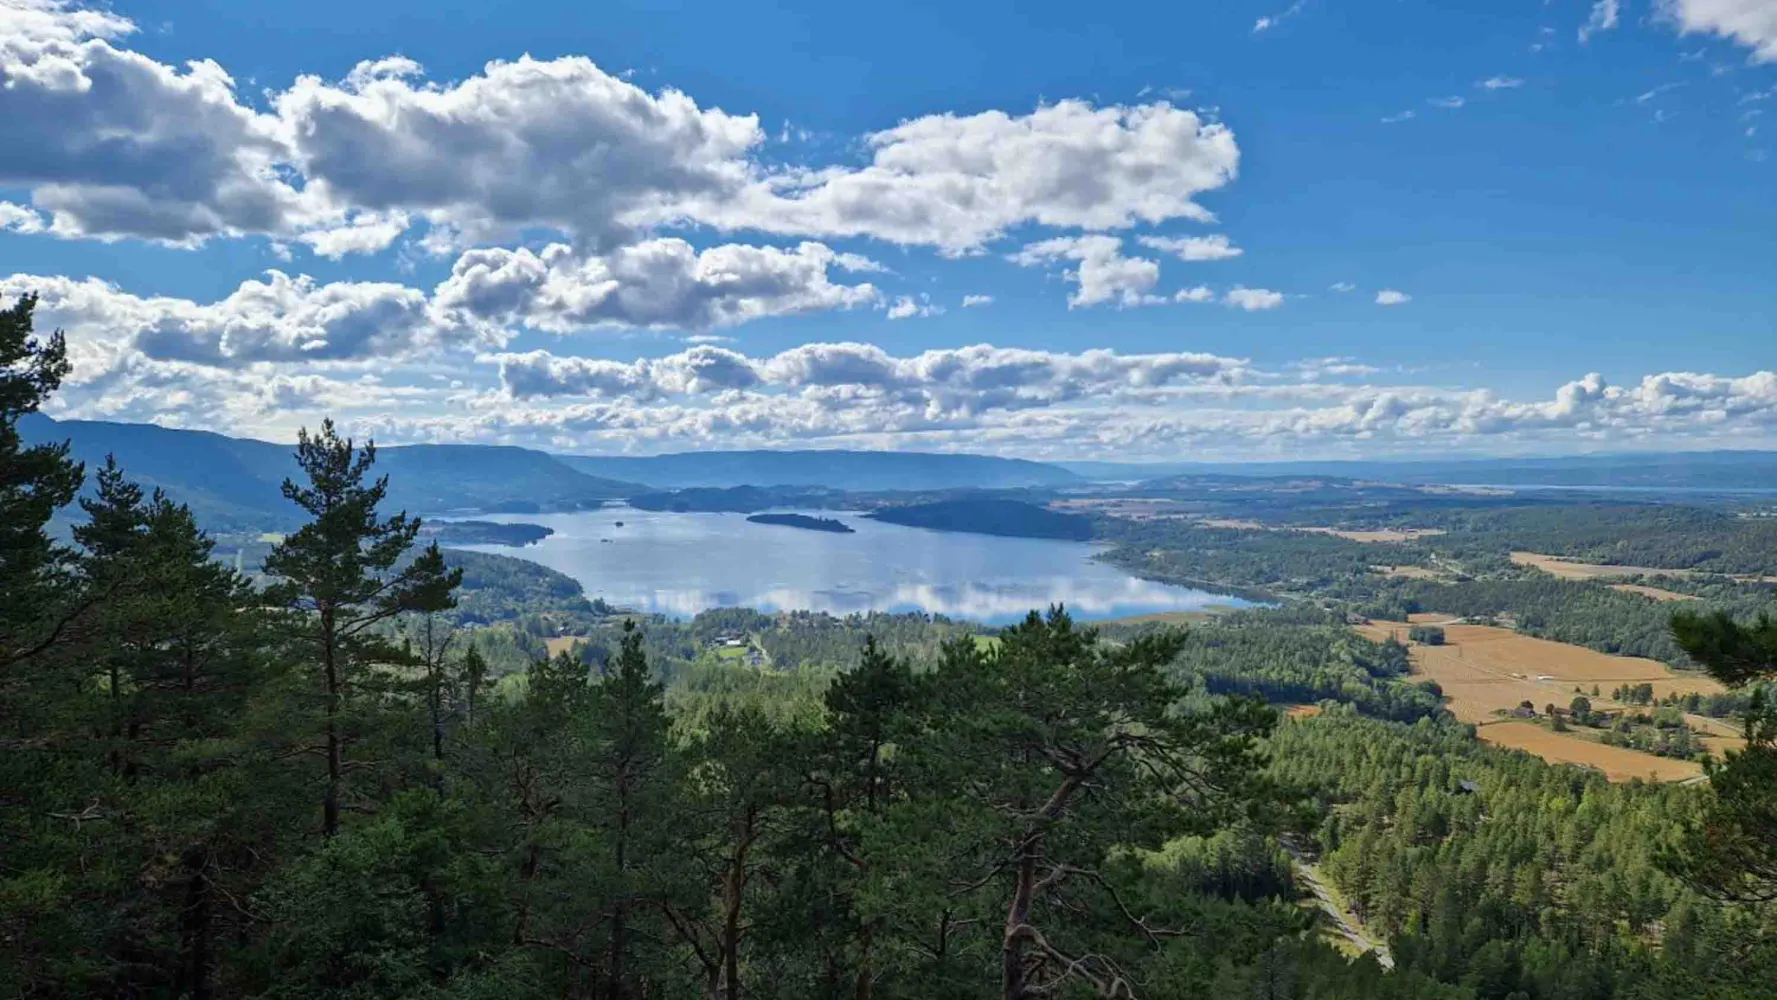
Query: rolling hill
(233, 483)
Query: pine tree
(1732, 850)
(430, 595)
(856, 785)
(149, 791)
(185, 629)
(339, 577)
(36, 604)
(745, 777)
(473, 673)
(633, 782)
(1062, 749)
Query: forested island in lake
(485, 533)
(805, 521)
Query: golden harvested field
(1501, 651)
(1717, 745)
(1617, 763)
(1654, 592)
(1568, 569)
(1302, 711)
(1385, 535)
(1484, 669)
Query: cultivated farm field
(1617, 763)
(1568, 569)
(1381, 535)
(1485, 670)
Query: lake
(680, 564)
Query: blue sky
(1571, 205)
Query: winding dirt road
(1345, 923)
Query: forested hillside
(1493, 870)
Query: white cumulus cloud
(111, 143)
(913, 307)
(1252, 299)
(1194, 248)
(1603, 17)
(557, 144)
(278, 318)
(958, 182)
(1752, 23)
(658, 284)
(19, 219)
(1390, 297)
(1102, 273)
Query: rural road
(1345, 923)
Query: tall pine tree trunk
(620, 914)
(734, 886)
(194, 928)
(1017, 936)
(335, 765)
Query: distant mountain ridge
(841, 470)
(234, 483)
(1704, 470)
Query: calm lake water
(680, 564)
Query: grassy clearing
(1656, 593)
(1208, 614)
(563, 644)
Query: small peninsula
(804, 521)
(989, 516)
